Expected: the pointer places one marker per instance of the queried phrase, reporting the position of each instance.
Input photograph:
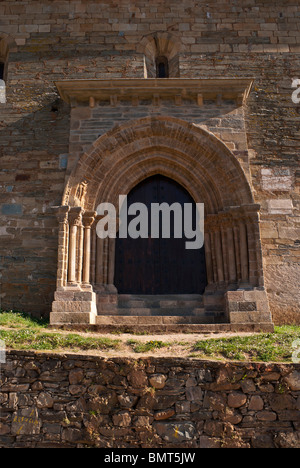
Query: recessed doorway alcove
(193, 163)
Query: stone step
(133, 321)
(160, 311)
(160, 301)
(173, 328)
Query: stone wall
(50, 41)
(50, 400)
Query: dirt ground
(179, 345)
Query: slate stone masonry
(73, 401)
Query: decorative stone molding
(76, 92)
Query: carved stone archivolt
(202, 164)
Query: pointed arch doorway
(159, 265)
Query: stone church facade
(99, 98)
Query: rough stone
(236, 400)
(44, 400)
(175, 432)
(293, 380)
(165, 414)
(256, 403)
(157, 381)
(76, 376)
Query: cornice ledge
(80, 92)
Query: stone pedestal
(74, 306)
(248, 307)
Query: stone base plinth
(248, 306)
(73, 306)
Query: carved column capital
(61, 213)
(75, 216)
(88, 218)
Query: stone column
(75, 215)
(88, 219)
(208, 258)
(231, 256)
(63, 240)
(99, 262)
(219, 256)
(93, 253)
(224, 251)
(256, 274)
(79, 253)
(244, 253)
(236, 238)
(99, 258)
(111, 261)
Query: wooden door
(158, 265)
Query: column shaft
(88, 220)
(244, 253)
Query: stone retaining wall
(73, 401)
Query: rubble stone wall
(57, 400)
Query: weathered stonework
(73, 401)
(49, 148)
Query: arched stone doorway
(206, 168)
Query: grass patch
(20, 331)
(21, 320)
(139, 347)
(264, 347)
(31, 339)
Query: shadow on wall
(33, 149)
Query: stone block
(61, 318)
(84, 296)
(175, 432)
(255, 295)
(158, 381)
(26, 422)
(293, 381)
(236, 399)
(256, 403)
(123, 419)
(280, 206)
(164, 414)
(286, 232)
(235, 295)
(245, 317)
(273, 180)
(246, 306)
(11, 209)
(64, 296)
(74, 306)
